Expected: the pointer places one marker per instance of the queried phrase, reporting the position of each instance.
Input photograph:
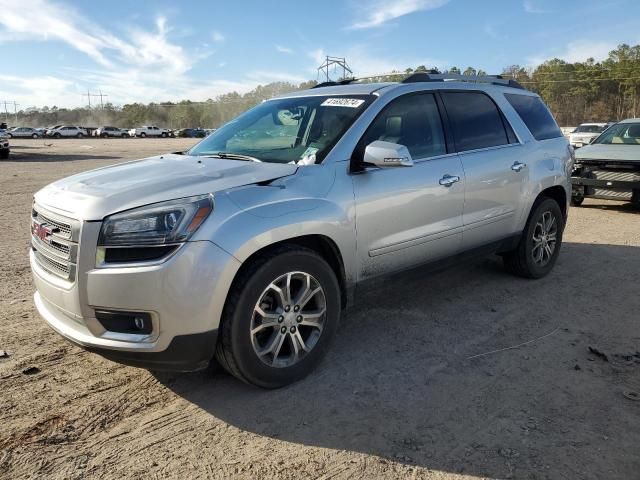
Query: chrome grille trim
(58, 252)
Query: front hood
(609, 152)
(97, 193)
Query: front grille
(54, 240)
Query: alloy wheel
(544, 237)
(288, 319)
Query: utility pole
(89, 95)
(6, 110)
(336, 62)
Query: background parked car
(105, 132)
(5, 148)
(67, 131)
(23, 132)
(609, 168)
(585, 133)
(191, 133)
(149, 131)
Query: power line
(582, 80)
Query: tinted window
(475, 120)
(413, 121)
(535, 115)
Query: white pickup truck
(149, 131)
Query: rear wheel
(34, 136)
(279, 318)
(539, 246)
(163, 135)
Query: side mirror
(387, 154)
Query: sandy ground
(398, 396)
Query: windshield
(589, 129)
(290, 130)
(622, 133)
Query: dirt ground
(403, 392)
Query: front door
(406, 216)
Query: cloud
(282, 49)
(577, 51)
(530, 7)
(383, 11)
(52, 21)
(217, 37)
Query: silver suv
(248, 247)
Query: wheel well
(320, 244)
(559, 195)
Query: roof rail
(443, 77)
(346, 81)
(433, 76)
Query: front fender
(250, 218)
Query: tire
(10, 135)
(79, 135)
(163, 135)
(34, 136)
(57, 135)
(238, 347)
(576, 201)
(124, 135)
(104, 135)
(4, 154)
(635, 198)
(142, 135)
(524, 261)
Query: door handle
(449, 180)
(517, 166)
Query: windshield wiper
(233, 156)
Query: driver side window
(413, 121)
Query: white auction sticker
(342, 102)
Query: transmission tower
(337, 63)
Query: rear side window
(475, 120)
(535, 115)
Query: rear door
(406, 216)
(495, 172)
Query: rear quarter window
(535, 115)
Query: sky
(160, 50)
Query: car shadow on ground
(413, 375)
(614, 207)
(48, 156)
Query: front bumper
(184, 297)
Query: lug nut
(299, 318)
(280, 319)
(287, 308)
(283, 330)
(296, 308)
(293, 330)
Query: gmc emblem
(42, 231)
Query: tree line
(577, 92)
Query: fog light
(125, 322)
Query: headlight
(157, 224)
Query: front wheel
(34, 136)
(142, 135)
(280, 317)
(163, 135)
(539, 245)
